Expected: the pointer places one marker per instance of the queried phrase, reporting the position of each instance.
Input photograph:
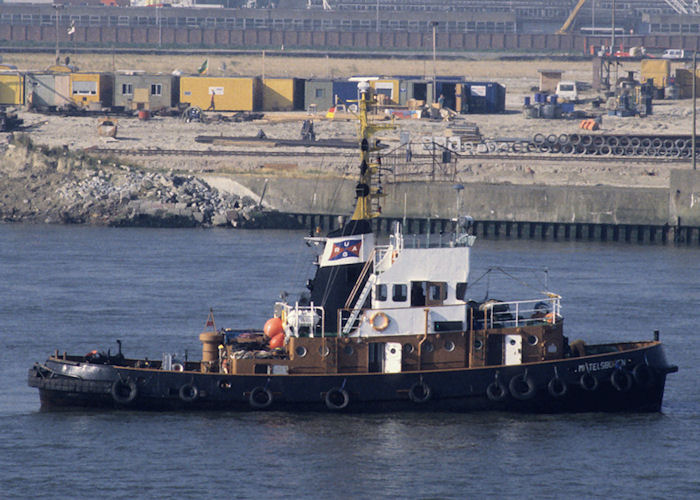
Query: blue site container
(527, 100)
(344, 91)
(486, 97)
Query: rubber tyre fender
(260, 398)
(496, 391)
(557, 387)
(419, 392)
(188, 393)
(644, 375)
(588, 382)
(621, 380)
(333, 394)
(520, 382)
(119, 388)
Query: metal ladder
(360, 302)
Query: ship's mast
(368, 189)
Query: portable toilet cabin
(92, 90)
(282, 94)
(11, 88)
(221, 93)
(136, 90)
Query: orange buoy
(273, 326)
(277, 341)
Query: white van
(673, 54)
(567, 91)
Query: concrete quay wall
(580, 212)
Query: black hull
(630, 381)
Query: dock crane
(569, 20)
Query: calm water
(80, 288)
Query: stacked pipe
(673, 146)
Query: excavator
(570, 20)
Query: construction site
(600, 139)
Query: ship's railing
(496, 314)
(453, 317)
(440, 240)
(301, 320)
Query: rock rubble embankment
(55, 185)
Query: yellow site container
(11, 88)
(282, 94)
(657, 69)
(387, 87)
(221, 93)
(91, 89)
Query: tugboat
(386, 327)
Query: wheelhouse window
(399, 293)
(381, 293)
(461, 291)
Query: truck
(567, 91)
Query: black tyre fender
(557, 387)
(419, 392)
(522, 387)
(260, 398)
(621, 380)
(188, 393)
(496, 391)
(124, 391)
(588, 382)
(337, 398)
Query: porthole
(428, 347)
(478, 344)
(449, 346)
(348, 350)
(324, 351)
(512, 342)
(408, 348)
(300, 351)
(532, 340)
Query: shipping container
(282, 94)
(11, 88)
(222, 93)
(92, 90)
(484, 97)
(141, 91)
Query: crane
(569, 20)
